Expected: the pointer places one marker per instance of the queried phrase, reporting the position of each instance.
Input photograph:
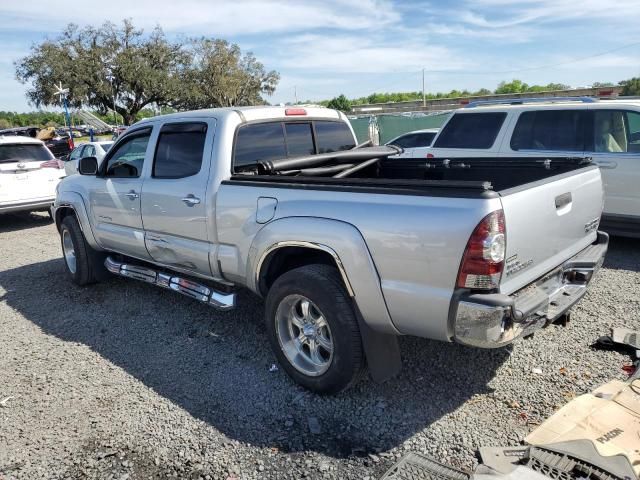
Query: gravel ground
(126, 381)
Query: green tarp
(390, 126)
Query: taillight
(483, 259)
(430, 155)
(295, 111)
(55, 163)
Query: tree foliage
(107, 63)
(631, 87)
(518, 86)
(341, 103)
(219, 75)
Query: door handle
(191, 200)
(132, 195)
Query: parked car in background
(349, 248)
(29, 174)
(416, 139)
(606, 130)
(89, 149)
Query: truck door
(114, 195)
(174, 197)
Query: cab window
(274, 140)
(179, 150)
(127, 158)
(333, 136)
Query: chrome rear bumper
(494, 320)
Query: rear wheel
(83, 264)
(313, 329)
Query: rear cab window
(471, 130)
(273, 140)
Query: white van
(606, 130)
(29, 174)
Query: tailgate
(548, 222)
(27, 181)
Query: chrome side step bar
(197, 291)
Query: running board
(197, 291)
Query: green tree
(143, 69)
(514, 86)
(219, 75)
(100, 65)
(341, 103)
(631, 87)
(4, 123)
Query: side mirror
(88, 166)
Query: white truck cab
(29, 174)
(606, 130)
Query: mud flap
(381, 350)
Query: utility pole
(295, 93)
(424, 95)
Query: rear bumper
(27, 205)
(494, 320)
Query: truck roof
(248, 114)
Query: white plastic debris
(273, 368)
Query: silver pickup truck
(349, 247)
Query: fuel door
(266, 209)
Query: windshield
(24, 153)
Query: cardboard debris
(609, 417)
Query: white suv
(29, 174)
(607, 130)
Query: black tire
(89, 264)
(323, 286)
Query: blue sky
(324, 48)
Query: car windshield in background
(414, 140)
(24, 152)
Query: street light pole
(424, 95)
(113, 96)
(63, 92)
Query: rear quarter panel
(416, 242)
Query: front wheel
(313, 329)
(83, 264)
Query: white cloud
(205, 17)
(508, 13)
(363, 54)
